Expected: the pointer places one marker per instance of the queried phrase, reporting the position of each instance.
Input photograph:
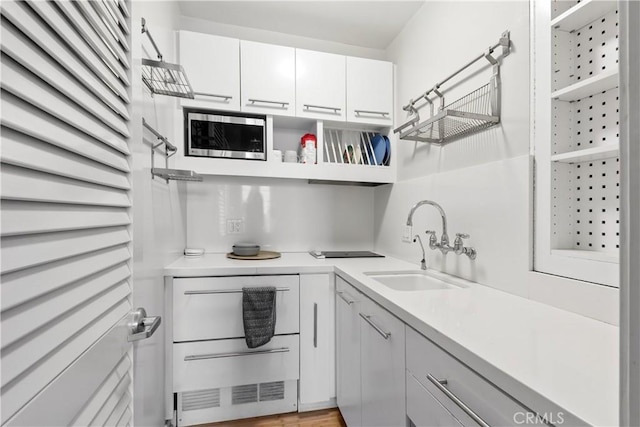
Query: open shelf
(582, 14)
(595, 153)
(611, 257)
(591, 86)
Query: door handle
(377, 328)
(441, 385)
(315, 325)
(141, 326)
(341, 295)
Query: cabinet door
(382, 358)
(268, 78)
(317, 340)
(320, 85)
(369, 91)
(212, 65)
(348, 353)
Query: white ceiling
(372, 24)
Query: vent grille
(272, 391)
(201, 399)
(244, 394)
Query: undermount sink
(408, 281)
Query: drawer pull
(367, 319)
(224, 291)
(440, 385)
(341, 295)
(234, 354)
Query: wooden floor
(324, 418)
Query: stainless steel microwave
(225, 135)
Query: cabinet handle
(320, 107)
(213, 95)
(224, 291)
(315, 325)
(264, 101)
(440, 385)
(341, 295)
(367, 319)
(234, 354)
(377, 113)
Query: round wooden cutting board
(261, 255)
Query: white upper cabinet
(268, 74)
(212, 65)
(369, 91)
(320, 85)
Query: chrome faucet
(444, 239)
(423, 262)
(458, 246)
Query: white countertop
(539, 354)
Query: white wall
(272, 37)
(482, 181)
(440, 38)
(159, 211)
(281, 215)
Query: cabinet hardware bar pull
(384, 334)
(224, 291)
(315, 325)
(379, 113)
(341, 295)
(264, 101)
(213, 95)
(234, 354)
(320, 107)
(440, 385)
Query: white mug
(290, 156)
(277, 155)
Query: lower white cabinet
(425, 410)
(349, 396)
(371, 361)
(317, 342)
(470, 398)
(382, 367)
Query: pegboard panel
(558, 7)
(590, 122)
(586, 205)
(585, 52)
(597, 205)
(596, 47)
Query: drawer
(424, 410)
(211, 307)
(224, 363)
(492, 405)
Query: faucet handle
(433, 241)
(462, 235)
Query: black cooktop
(345, 254)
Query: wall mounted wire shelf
(465, 116)
(169, 150)
(164, 78)
(472, 113)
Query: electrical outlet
(406, 233)
(235, 226)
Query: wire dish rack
(472, 113)
(354, 147)
(164, 78)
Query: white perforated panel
(585, 194)
(597, 205)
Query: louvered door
(65, 265)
